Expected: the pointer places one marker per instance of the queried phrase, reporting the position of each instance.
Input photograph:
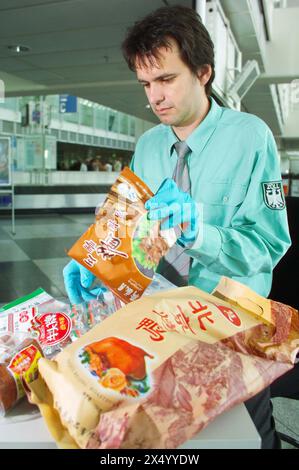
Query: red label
(23, 316)
(230, 315)
(52, 327)
(22, 361)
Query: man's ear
(204, 74)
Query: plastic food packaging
(19, 348)
(157, 371)
(49, 325)
(46, 335)
(18, 361)
(123, 248)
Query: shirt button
(225, 199)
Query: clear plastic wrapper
(43, 326)
(19, 354)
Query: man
(117, 166)
(212, 171)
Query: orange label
(24, 365)
(123, 248)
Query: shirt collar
(201, 135)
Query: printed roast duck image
(117, 365)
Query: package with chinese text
(16, 317)
(280, 322)
(157, 371)
(19, 348)
(36, 325)
(19, 354)
(123, 248)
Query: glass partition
(92, 138)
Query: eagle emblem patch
(273, 195)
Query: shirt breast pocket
(220, 201)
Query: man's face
(173, 91)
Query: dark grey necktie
(181, 172)
(176, 264)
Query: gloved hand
(175, 208)
(77, 281)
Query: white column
(200, 7)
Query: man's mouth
(162, 110)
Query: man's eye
(145, 85)
(168, 80)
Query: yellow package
(160, 369)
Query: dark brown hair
(147, 36)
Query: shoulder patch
(274, 195)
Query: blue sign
(14, 141)
(36, 115)
(5, 200)
(67, 104)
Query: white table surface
(24, 428)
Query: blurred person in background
(96, 164)
(83, 166)
(107, 165)
(117, 166)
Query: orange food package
(123, 248)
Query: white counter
(25, 429)
(53, 177)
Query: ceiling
(75, 48)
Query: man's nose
(155, 95)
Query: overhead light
(148, 106)
(245, 79)
(18, 48)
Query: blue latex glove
(77, 281)
(175, 208)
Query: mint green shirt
(235, 175)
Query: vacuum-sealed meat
(18, 362)
(123, 248)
